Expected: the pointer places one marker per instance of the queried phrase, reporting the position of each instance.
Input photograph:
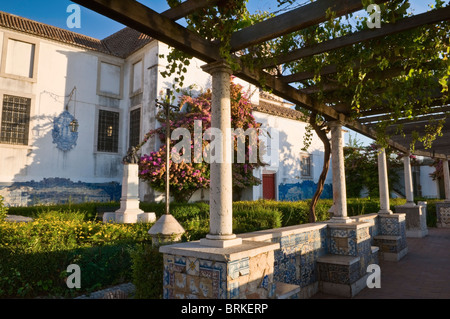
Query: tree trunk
(326, 164)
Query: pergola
(164, 27)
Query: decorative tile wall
(443, 214)
(58, 191)
(295, 262)
(195, 278)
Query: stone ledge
(266, 235)
(195, 249)
(286, 291)
(338, 259)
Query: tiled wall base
(416, 220)
(286, 263)
(392, 237)
(192, 271)
(343, 272)
(341, 276)
(443, 214)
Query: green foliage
(361, 170)
(191, 171)
(249, 219)
(3, 209)
(34, 256)
(400, 73)
(147, 265)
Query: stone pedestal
(129, 211)
(415, 219)
(343, 272)
(391, 238)
(166, 230)
(195, 271)
(443, 214)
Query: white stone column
(338, 167)
(446, 180)
(383, 183)
(409, 191)
(221, 185)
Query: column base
(129, 217)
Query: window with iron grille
(15, 120)
(108, 131)
(135, 127)
(306, 166)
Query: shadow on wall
(43, 173)
(292, 186)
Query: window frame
(308, 157)
(97, 130)
(30, 123)
(132, 64)
(25, 39)
(99, 78)
(137, 107)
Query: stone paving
(424, 273)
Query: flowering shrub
(186, 177)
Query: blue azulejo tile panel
(389, 226)
(303, 190)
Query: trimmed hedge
(34, 256)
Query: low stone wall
(327, 257)
(443, 214)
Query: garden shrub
(249, 219)
(147, 272)
(34, 256)
(3, 209)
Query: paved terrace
(424, 273)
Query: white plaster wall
(59, 69)
(290, 143)
(430, 188)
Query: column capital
(335, 123)
(218, 66)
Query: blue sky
(54, 12)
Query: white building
(52, 80)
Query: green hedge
(34, 256)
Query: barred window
(306, 166)
(108, 131)
(135, 127)
(15, 120)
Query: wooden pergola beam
(405, 24)
(386, 117)
(141, 18)
(294, 20)
(186, 8)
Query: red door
(269, 186)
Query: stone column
(337, 163)
(409, 191)
(383, 183)
(446, 180)
(221, 186)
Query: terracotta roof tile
(121, 44)
(126, 41)
(21, 24)
(278, 110)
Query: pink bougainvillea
(188, 177)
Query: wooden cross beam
(141, 18)
(402, 25)
(186, 8)
(294, 20)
